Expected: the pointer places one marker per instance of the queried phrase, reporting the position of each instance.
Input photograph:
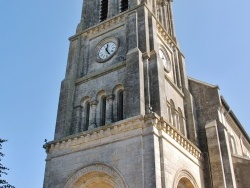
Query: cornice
(131, 127)
(166, 37)
(203, 83)
(107, 24)
(233, 121)
(235, 127)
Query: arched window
(87, 115)
(103, 111)
(184, 179)
(96, 176)
(120, 105)
(104, 10)
(124, 5)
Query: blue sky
(213, 35)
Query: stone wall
(242, 171)
(135, 148)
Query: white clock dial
(107, 50)
(166, 63)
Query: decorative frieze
(165, 36)
(122, 130)
(105, 25)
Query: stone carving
(134, 123)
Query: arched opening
(120, 105)
(87, 115)
(104, 10)
(100, 184)
(95, 180)
(103, 111)
(124, 5)
(185, 183)
(184, 179)
(96, 176)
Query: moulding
(117, 131)
(114, 174)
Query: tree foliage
(3, 169)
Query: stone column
(175, 120)
(77, 119)
(148, 107)
(109, 109)
(226, 156)
(184, 126)
(92, 116)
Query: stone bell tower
(125, 115)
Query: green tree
(3, 169)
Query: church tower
(126, 116)
(122, 110)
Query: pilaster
(216, 163)
(65, 106)
(226, 156)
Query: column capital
(93, 103)
(110, 97)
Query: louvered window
(124, 5)
(104, 10)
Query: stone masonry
(128, 115)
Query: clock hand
(107, 49)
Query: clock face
(165, 61)
(107, 50)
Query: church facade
(130, 117)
